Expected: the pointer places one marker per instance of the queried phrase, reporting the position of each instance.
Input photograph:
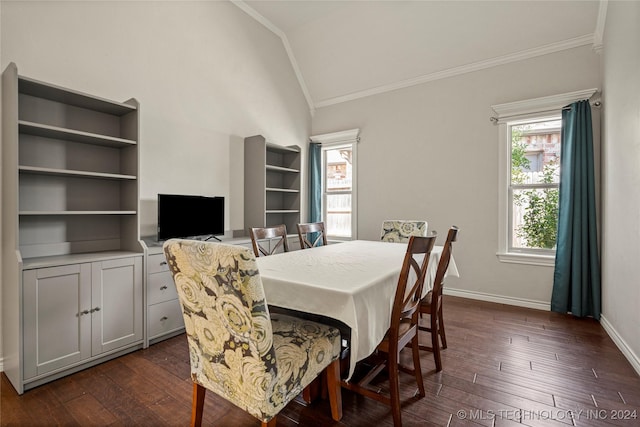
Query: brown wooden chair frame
(403, 331)
(432, 303)
(311, 227)
(257, 233)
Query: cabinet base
(37, 381)
(166, 336)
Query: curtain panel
(576, 279)
(315, 182)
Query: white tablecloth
(353, 282)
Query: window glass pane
(535, 218)
(535, 152)
(338, 169)
(338, 221)
(338, 172)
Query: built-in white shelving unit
(272, 184)
(72, 258)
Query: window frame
(507, 115)
(329, 141)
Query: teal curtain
(315, 182)
(576, 279)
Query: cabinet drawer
(164, 317)
(157, 263)
(160, 288)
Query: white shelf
(271, 184)
(55, 93)
(74, 173)
(283, 190)
(281, 211)
(281, 148)
(281, 169)
(48, 213)
(55, 132)
(56, 260)
(70, 197)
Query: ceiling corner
(598, 33)
(285, 42)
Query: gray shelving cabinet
(271, 184)
(72, 258)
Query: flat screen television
(181, 215)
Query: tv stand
(212, 237)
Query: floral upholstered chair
(256, 361)
(401, 230)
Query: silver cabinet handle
(95, 309)
(163, 318)
(83, 312)
(163, 287)
(163, 263)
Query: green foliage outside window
(540, 220)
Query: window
(529, 158)
(339, 183)
(337, 174)
(534, 184)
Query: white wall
(430, 152)
(205, 73)
(206, 76)
(621, 178)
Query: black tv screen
(189, 216)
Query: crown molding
(287, 47)
(598, 34)
(469, 68)
(594, 39)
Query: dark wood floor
(505, 366)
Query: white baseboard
(519, 302)
(621, 343)
(1, 364)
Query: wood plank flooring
(505, 366)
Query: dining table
(353, 282)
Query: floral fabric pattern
(256, 361)
(400, 231)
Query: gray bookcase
(271, 184)
(72, 258)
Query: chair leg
(443, 336)
(332, 374)
(270, 423)
(312, 391)
(197, 405)
(415, 348)
(435, 342)
(394, 388)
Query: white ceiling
(343, 50)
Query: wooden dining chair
(256, 360)
(403, 331)
(271, 233)
(431, 304)
(399, 231)
(309, 228)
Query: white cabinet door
(57, 320)
(116, 309)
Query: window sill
(529, 259)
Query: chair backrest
(257, 233)
(443, 264)
(401, 230)
(312, 227)
(227, 322)
(406, 302)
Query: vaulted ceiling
(343, 50)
